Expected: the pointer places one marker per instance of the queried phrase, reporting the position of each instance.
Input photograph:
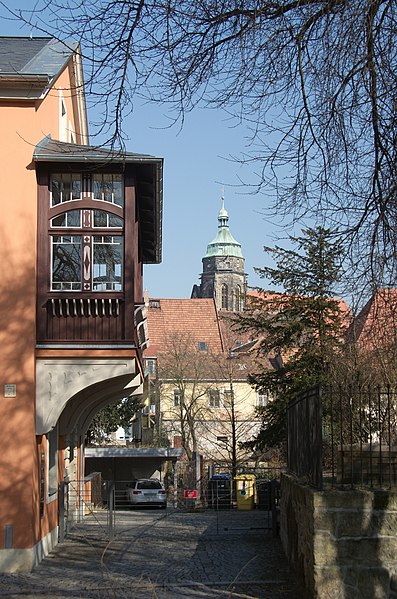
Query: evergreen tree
(300, 328)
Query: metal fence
(305, 437)
(77, 499)
(344, 436)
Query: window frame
(177, 398)
(214, 399)
(89, 233)
(225, 296)
(261, 399)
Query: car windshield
(149, 484)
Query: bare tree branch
(314, 80)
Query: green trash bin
(245, 491)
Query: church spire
(223, 277)
(223, 216)
(224, 243)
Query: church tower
(223, 276)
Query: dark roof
(23, 56)
(149, 177)
(52, 150)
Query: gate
(79, 498)
(223, 494)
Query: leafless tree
(315, 81)
(183, 388)
(201, 400)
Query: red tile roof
(196, 318)
(376, 324)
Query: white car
(147, 491)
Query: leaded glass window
(66, 263)
(65, 187)
(91, 257)
(108, 188)
(225, 302)
(107, 263)
(69, 219)
(107, 220)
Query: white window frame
(177, 398)
(214, 399)
(262, 399)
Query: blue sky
(197, 164)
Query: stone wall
(341, 543)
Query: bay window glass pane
(115, 221)
(106, 219)
(71, 218)
(107, 263)
(65, 187)
(100, 218)
(108, 188)
(66, 263)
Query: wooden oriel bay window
(88, 256)
(99, 222)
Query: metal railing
(305, 436)
(344, 436)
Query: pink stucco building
(78, 223)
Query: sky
(197, 167)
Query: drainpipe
(81, 479)
(176, 484)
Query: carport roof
(165, 453)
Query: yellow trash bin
(245, 491)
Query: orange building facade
(78, 223)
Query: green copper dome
(224, 243)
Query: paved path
(163, 555)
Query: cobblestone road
(226, 554)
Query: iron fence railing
(344, 436)
(305, 436)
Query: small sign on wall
(190, 493)
(10, 390)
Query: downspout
(81, 479)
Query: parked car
(147, 491)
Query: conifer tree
(299, 328)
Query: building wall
(212, 424)
(23, 126)
(219, 271)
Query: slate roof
(24, 56)
(52, 150)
